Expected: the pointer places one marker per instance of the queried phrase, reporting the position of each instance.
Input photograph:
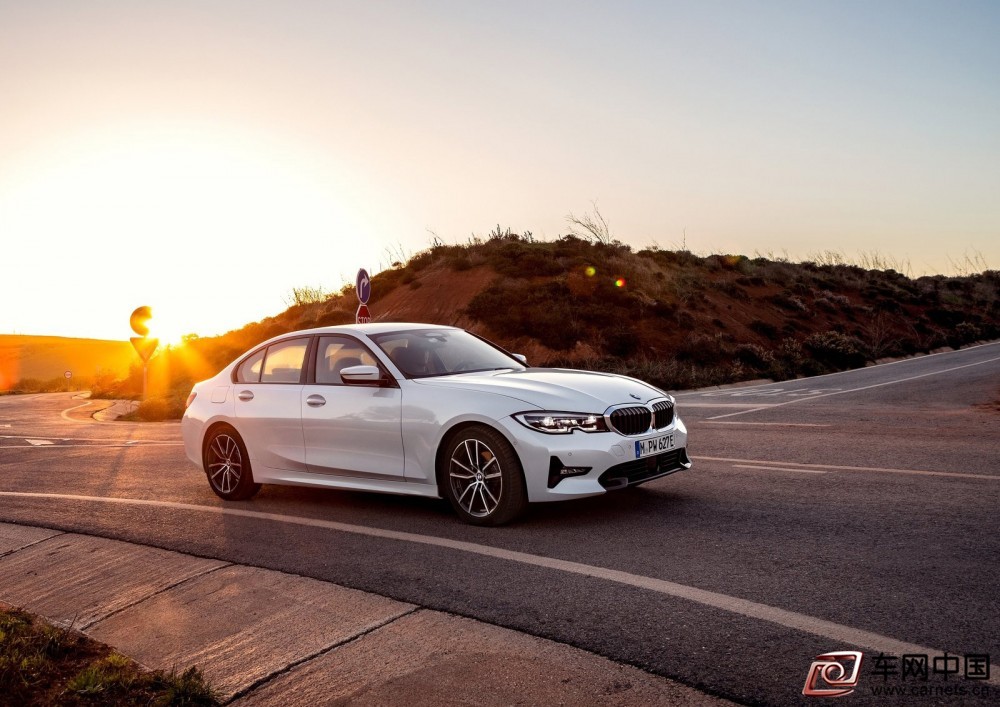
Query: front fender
(430, 415)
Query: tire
(482, 477)
(227, 465)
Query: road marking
(855, 390)
(771, 393)
(96, 439)
(838, 633)
(686, 404)
(713, 421)
(835, 467)
(778, 468)
(123, 445)
(902, 361)
(39, 442)
(65, 413)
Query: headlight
(561, 423)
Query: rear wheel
(227, 465)
(482, 477)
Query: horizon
(205, 160)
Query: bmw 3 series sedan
(428, 411)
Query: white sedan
(428, 411)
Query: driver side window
(337, 353)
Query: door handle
(315, 401)
(245, 395)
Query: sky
(204, 158)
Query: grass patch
(44, 666)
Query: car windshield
(422, 353)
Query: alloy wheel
(225, 463)
(476, 478)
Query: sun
(166, 329)
(210, 228)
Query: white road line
(747, 412)
(855, 390)
(686, 404)
(911, 359)
(836, 467)
(778, 468)
(123, 445)
(771, 424)
(65, 413)
(39, 442)
(95, 439)
(838, 633)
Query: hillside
(34, 361)
(674, 318)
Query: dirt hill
(671, 317)
(35, 361)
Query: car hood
(553, 389)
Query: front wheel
(482, 477)
(227, 465)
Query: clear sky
(206, 157)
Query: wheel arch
(456, 429)
(210, 429)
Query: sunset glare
(206, 158)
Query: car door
(269, 408)
(350, 430)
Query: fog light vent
(559, 471)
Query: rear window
(284, 361)
(249, 370)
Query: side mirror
(361, 375)
(522, 358)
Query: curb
(264, 637)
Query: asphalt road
(856, 511)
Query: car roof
(368, 329)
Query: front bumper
(610, 456)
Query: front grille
(639, 470)
(663, 414)
(631, 420)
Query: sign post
(143, 344)
(363, 285)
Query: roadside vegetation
(43, 666)
(37, 364)
(672, 317)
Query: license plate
(654, 445)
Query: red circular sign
(363, 316)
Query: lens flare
(590, 270)
(620, 282)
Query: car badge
(633, 395)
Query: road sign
(144, 346)
(363, 285)
(363, 316)
(68, 374)
(139, 320)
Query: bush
(705, 350)
(547, 313)
(789, 360)
(519, 259)
(788, 302)
(836, 351)
(755, 357)
(763, 328)
(459, 262)
(964, 333)
(158, 409)
(732, 289)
